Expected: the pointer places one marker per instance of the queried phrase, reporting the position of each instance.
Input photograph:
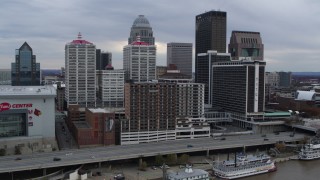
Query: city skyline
(290, 35)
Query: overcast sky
(290, 29)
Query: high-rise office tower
(205, 62)
(246, 44)
(111, 86)
(103, 59)
(238, 86)
(80, 73)
(25, 71)
(5, 77)
(139, 61)
(285, 79)
(211, 34)
(141, 27)
(180, 54)
(272, 79)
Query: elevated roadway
(111, 153)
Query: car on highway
(266, 139)
(223, 138)
(56, 159)
(189, 146)
(154, 168)
(18, 158)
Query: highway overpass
(111, 153)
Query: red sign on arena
(6, 106)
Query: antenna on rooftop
(79, 35)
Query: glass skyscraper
(25, 71)
(211, 34)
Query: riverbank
(131, 172)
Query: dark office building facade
(285, 79)
(246, 44)
(103, 59)
(25, 71)
(205, 62)
(180, 54)
(211, 34)
(238, 86)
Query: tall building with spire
(80, 75)
(211, 34)
(141, 27)
(25, 71)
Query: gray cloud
(289, 28)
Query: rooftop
(141, 21)
(139, 43)
(27, 90)
(105, 110)
(272, 114)
(80, 40)
(81, 124)
(187, 174)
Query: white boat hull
(245, 172)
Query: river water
(292, 170)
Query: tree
(142, 165)
(2, 152)
(184, 158)
(17, 150)
(280, 146)
(159, 160)
(172, 159)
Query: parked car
(166, 166)
(154, 168)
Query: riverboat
(243, 166)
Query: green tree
(172, 159)
(142, 165)
(3, 152)
(159, 160)
(17, 150)
(280, 146)
(183, 159)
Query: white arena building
(27, 118)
